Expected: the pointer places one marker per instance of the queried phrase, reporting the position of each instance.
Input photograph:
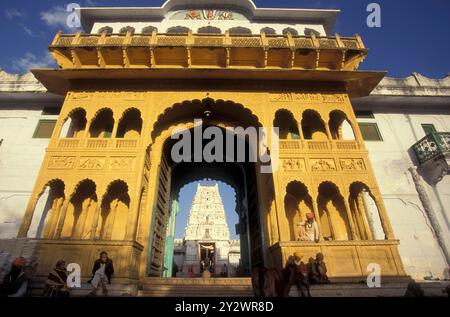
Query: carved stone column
(388, 232)
(115, 128)
(368, 212)
(430, 212)
(49, 230)
(354, 235)
(330, 137)
(317, 217)
(28, 217)
(97, 213)
(62, 219)
(360, 204)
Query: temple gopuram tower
(136, 74)
(207, 233)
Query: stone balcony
(157, 50)
(433, 155)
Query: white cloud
(30, 32)
(92, 3)
(29, 60)
(14, 13)
(55, 17)
(62, 17)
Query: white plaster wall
(20, 159)
(419, 249)
(194, 25)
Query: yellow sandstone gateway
(138, 73)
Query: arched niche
(313, 126)
(178, 30)
(365, 209)
(293, 31)
(126, 29)
(102, 125)
(297, 203)
(74, 125)
(47, 210)
(115, 207)
(333, 213)
(80, 211)
(209, 30)
(105, 29)
(269, 31)
(130, 125)
(149, 29)
(287, 125)
(340, 127)
(239, 30)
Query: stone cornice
(414, 85)
(19, 83)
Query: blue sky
(413, 37)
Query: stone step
(115, 289)
(240, 287)
(193, 287)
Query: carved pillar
(354, 235)
(388, 232)
(109, 225)
(430, 212)
(330, 137)
(50, 227)
(94, 226)
(28, 217)
(360, 204)
(368, 212)
(136, 206)
(132, 221)
(62, 219)
(80, 225)
(357, 133)
(115, 127)
(317, 217)
(300, 133)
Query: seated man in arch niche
(309, 230)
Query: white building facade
(396, 119)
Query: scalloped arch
(175, 109)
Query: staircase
(196, 287)
(241, 287)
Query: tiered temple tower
(207, 231)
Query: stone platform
(241, 287)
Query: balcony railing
(161, 50)
(432, 146)
(93, 143)
(311, 145)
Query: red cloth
(20, 262)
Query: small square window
(364, 114)
(370, 132)
(44, 129)
(51, 111)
